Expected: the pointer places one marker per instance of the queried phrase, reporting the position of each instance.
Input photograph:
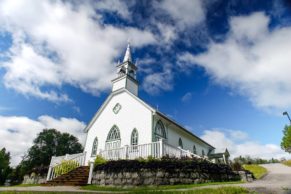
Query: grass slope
(153, 188)
(221, 190)
(257, 170)
(287, 163)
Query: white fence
(154, 149)
(76, 159)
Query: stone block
(160, 174)
(134, 175)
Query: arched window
(180, 143)
(203, 153)
(160, 132)
(194, 149)
(113, 134)
(94, 147)
(134, 137)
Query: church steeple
(126, 74)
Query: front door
(112, 145)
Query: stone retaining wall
(159, 177)
(33, 179)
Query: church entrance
(112, 145)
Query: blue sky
(220, 68)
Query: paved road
(277, 181)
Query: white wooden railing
(155, 149)
(76, 159)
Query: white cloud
(156, 82)
(55, 44)
(184, 13)
(244, 146)
(186, 97)
(17, 132)
(119, 7)
(253, 60)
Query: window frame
(180, 143)
(162, 129)
(134, 132)
(117, 134)
(94, 147)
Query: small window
(194, 149)
(203, 153)
(180, 143)
(116, 108)
(94, 147)
(134, 137)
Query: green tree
(4, 165)
(48, 143)
(286, 140)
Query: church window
(113, 134)
(134, 137)
(160, 132)
(203, 153)
(94, 147)
(116, 108)
(180, 143)
(194, 149)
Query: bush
(99, 160)
(236, 166)
(65, 167)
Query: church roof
(183, 128)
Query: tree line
(48, 143)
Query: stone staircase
(76, 177)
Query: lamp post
(286, 113)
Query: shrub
(99, 160)
(65, 167)
(236, 166)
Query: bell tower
(126, 74)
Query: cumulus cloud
(181, 16)
(238, 144)
(17, 132)
(57, 43)
(184, 13)
(253, 60)
(119, 7)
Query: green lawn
(287, 163)
(153, 188)
(221, 190)
(257, 170)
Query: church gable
(124, 111)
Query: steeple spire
(127, 56)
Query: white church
(126, 127)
